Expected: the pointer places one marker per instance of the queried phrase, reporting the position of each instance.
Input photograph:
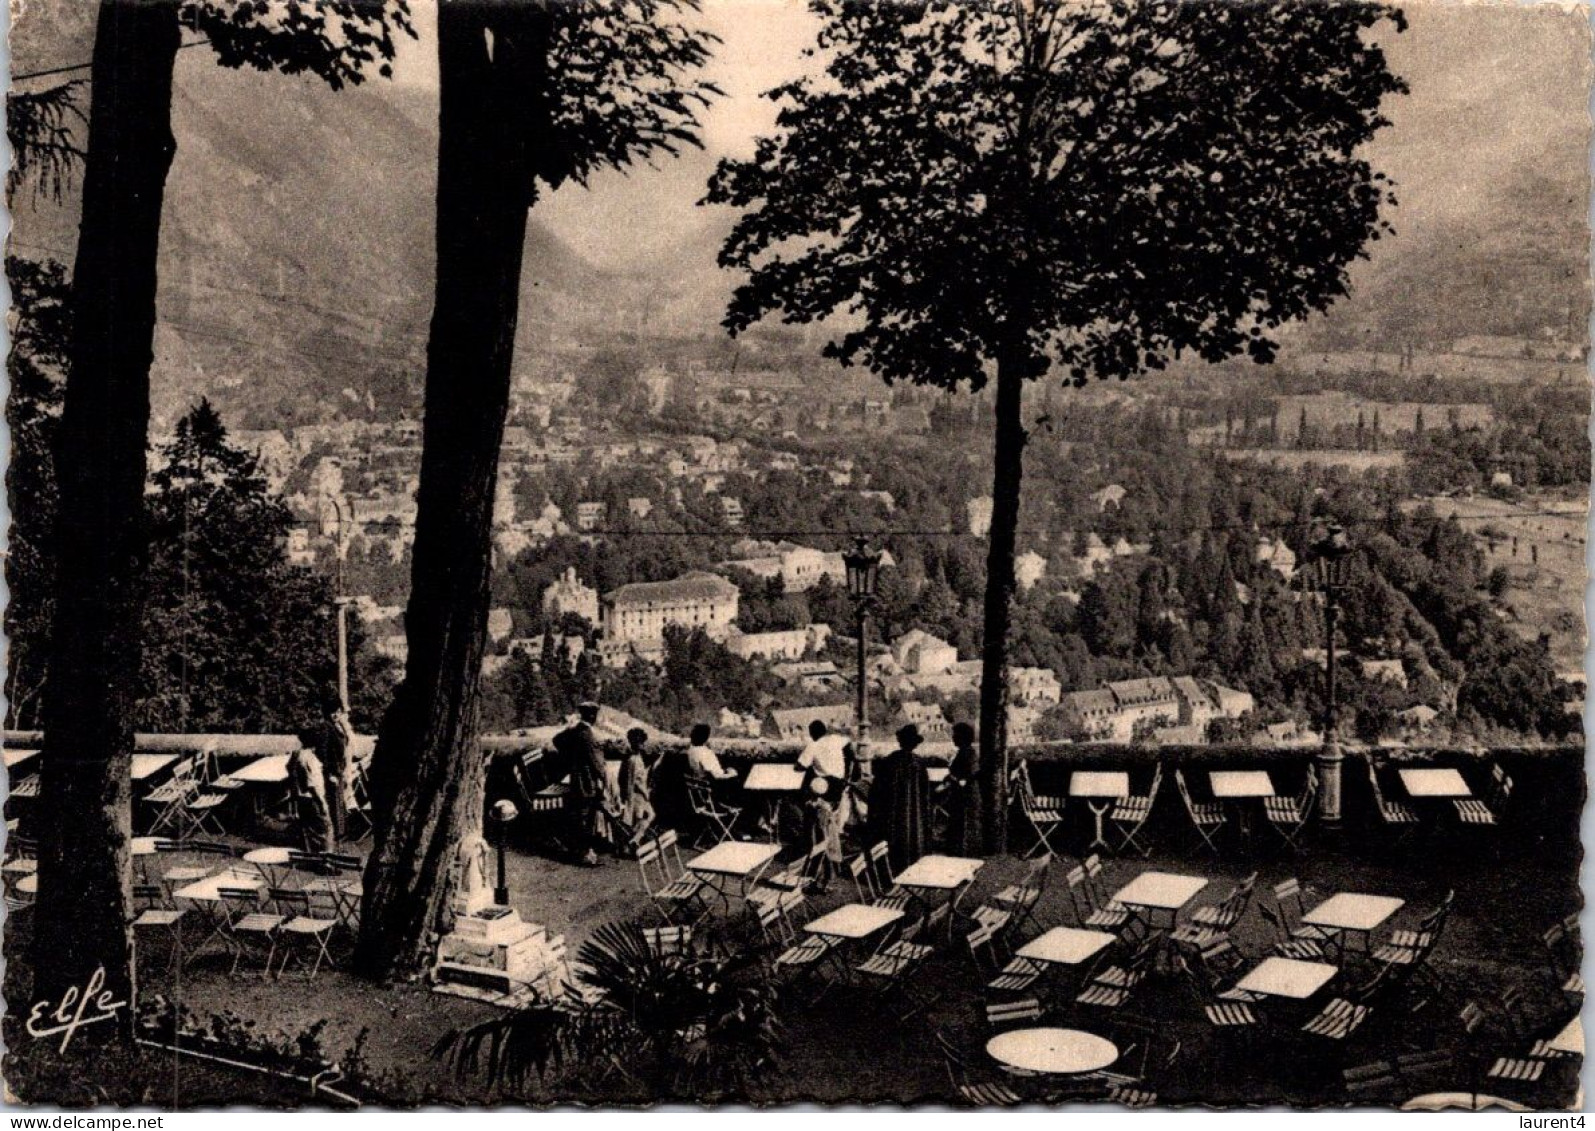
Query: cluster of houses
(1168, 711)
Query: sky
(1495, 86)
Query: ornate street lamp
(504, 812)
(863, 571)
(1331, 564)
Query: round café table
(1059, 1052)
(1463, 1101)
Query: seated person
(702, 762)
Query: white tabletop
(734, 858)
(940, 872)
(20, 864)
(29, 884)
(853, 921)
(774, 777)
(1571, 1038)
(1099, 783)
(1052, 1050)
(1160, 889)
(269, 855)
(1466, 1101)
(937, 774)
(15, 758)
(1287, 977)
(268, 770)
(209, 889)
(1241, 783)
(147, 765)
(1066, 946)
(1353, 911)
(144, 845)
(1434, 783)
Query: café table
(269, 770)
(1159, 892)
(1464, 1101)
(1287, 977)
(1239, 787)
(208, 890)
(29, 884)
(1570, 1040)
(1055, 1052)
(1233, 785)
(1353, 915)
(1433, 783)
(146, 766)
(273, 861)
(853, 921)
(775, 783)
(773, 777)
(1066, 946)
(1107, 786)
(15, 759)
(951, 874)
(141, 848)
(733, 862)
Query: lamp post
(863, 570)
(1332, 564)
(504, 812)
(341, 606)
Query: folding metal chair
(157, 920)
(982, 1093)
(1023, 898)
(1376, 1079)
(1474, 811)
(1207, 818)
(673, 893)
(247, 927)
(1044, 814)
(1399, 818)
(1288, 816)
(302, 931)
(1003, 975)
(716, 817)
(1130, 814)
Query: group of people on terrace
(901, 796)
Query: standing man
(589, 785)
(332, 740)
(825, 760)
(309, 787)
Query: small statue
(472, 892)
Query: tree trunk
(428, 773)
(82, 817)
(1008, 470)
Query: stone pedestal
(493, 956)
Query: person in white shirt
(703, 762)
(825, 759)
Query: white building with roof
(635, 616)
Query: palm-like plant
(678, 1025)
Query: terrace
(907, 1010)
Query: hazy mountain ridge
(298, 242)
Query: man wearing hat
(589, 785)
(899, 801)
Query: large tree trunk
(1008, 470)
(427, 770)
(83, 819)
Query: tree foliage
(338, 41)
(41, 302)
(235, 637)
(1106, 184)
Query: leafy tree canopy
(1102, 184)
